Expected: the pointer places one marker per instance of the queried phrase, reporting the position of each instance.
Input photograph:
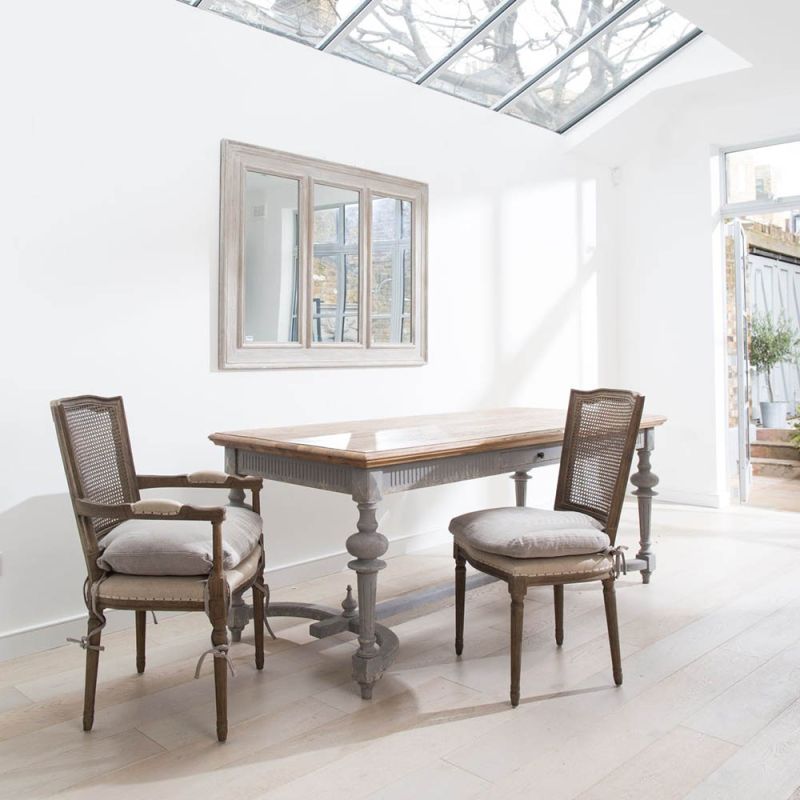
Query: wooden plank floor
(710, 707)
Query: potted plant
(772, 343)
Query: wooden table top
(381, 442)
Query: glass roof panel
(631, 44)
(518, 46)
(308, 21)
(404, 37)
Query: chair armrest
(149, 509)
(205, 479)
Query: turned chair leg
(517, 592)
(610, 600)
(217, 606)
(558, 602)
(461, 590)
(258, 625)
(141, 628)
(92, 664)
(221, 692)
(266, 612)
(219, 636)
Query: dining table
(369, 459)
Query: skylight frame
(346, 25)
(587, 37)
(493, 18)
(483, 27)
(623, 85)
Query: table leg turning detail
(645, 480)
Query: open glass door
(742, 361)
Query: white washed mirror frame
(234, 353)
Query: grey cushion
(178, 547)
(530, 532)
(168, 589)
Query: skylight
(548, 62)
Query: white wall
(109, 153)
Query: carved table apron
(421, 452)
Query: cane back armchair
(574, 543)
(105, 492)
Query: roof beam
(568, 53)
(450, 56)
(347, 24)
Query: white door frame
(744, 469)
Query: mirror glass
(335, 274)
(391, 271)
(270, 258)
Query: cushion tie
(259, 586)
(218, 651)
(620, 564)
(90, 598)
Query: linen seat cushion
(165, 590)
(519, 532)
(178, 547)
(589, 566)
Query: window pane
(307, 20)
(632, 43)
(392, 271)
(404, 37)
(326, 225)
(382, 282)
(763, 173)
(523, 42)
(335, 271)
(270, 258)
(351, 224)
(384, 219)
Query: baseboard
(47, 635)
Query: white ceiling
(765, 32)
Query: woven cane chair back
(599, 441)
(93, 436)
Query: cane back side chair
(574, 543)
(105, 492)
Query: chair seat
(549, 570)
(519, 532)
(178, 547)
(167, 589)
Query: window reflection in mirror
(270, 258)
(391, 271)
(335, 272)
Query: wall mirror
(320, 264)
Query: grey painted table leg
(367, 546)
(521, 478)
(236, 497)
(644, 479)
